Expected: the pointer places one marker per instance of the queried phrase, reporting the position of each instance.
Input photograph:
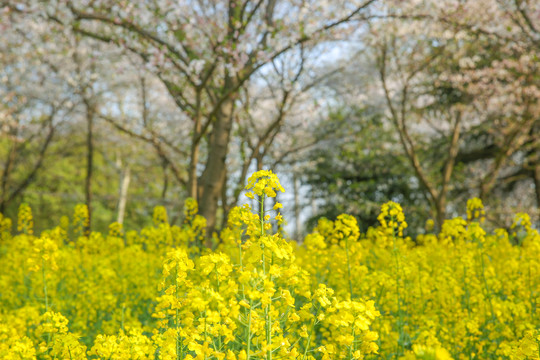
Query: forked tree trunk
(213, 178)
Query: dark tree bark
(6, 195)
(89, 159)
(536, 178)
(215, 172)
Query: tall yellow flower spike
(25, 223)
(263, 182)
(392, 217)
(475, 210)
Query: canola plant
(461, 293)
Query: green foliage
(59, 183)
(361, 167)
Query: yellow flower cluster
(392, 218)
(475, 210)
(25, 223)
(5, 228)
(44, 254)
(263, 182)
(463, 293)
(528, 348)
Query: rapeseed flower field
(462, 293)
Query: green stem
(205, 334)
(351, 347)
(122, 320)
(241, 269)
(395, 252)
(249, 332)
(267, 316)
(349, 267)
(248, 350)
(309, 338)
(262, 234)
(46, 297)
(307, 346)
(177, 316)
(261, 215)
(268, 333)
(44, 285)
(532, 300)
(218, 290)
(488, 292)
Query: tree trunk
(213, 178)
(5, 176)
(165, 186)
(440, 209)
(194, 154)
(6, 198)
(89, 160)
(122, 199)
(536, 176)
(193, 161)
(453, 150)
(259, 161)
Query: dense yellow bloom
(528, 347)
(15, 345)
(130, 344)
(462, 293)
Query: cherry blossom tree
(464, 71)
(205, 53)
